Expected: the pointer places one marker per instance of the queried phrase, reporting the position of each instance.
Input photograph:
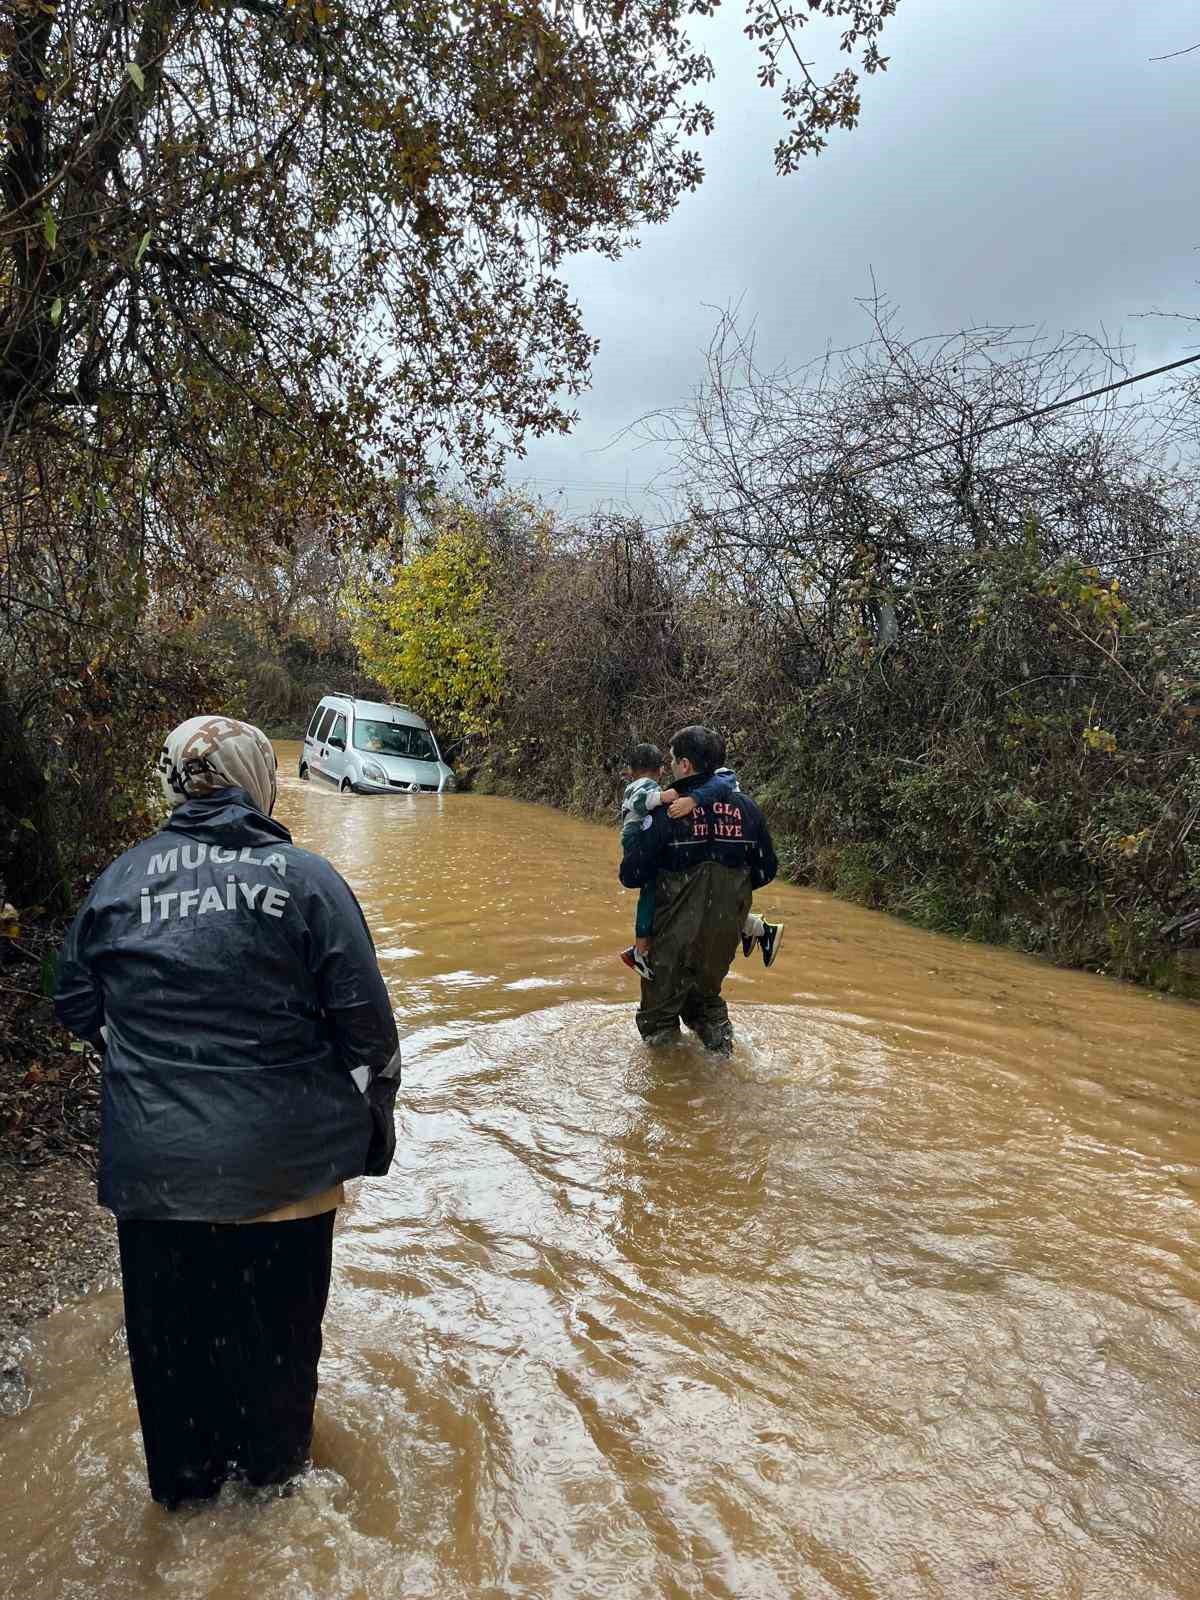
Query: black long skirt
(224, 1325)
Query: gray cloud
(1020, 162)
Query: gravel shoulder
(56, 1244)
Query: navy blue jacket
(251, 1057)
(729, 829)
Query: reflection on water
(903, 1301)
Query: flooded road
(904, 1301)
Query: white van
(372, 747)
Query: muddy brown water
(902, 1302)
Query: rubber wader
(697, 923)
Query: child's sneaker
(634, 958)
(772, 938)
(749, 940)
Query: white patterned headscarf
(205, 754)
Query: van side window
(326, 720)
(339, 730)
(312, 727)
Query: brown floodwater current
(903, 1301)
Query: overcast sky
(1020, 161)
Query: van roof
(381, 711)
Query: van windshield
(394, 739)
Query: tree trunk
(30, 864)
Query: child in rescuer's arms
(642, 795)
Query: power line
(1175, 53)
(1026, 416)
(975, 433)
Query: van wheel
(346, 786)
(304, 772)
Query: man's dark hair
(694, 744)
(645, 758)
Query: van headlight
(372, 773)
(448, 783)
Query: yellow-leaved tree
(427, 635)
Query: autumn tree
(226, 219)
(429, 634)
(261, 254)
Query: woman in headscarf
(250, 1067)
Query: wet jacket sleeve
(350, 988)
(78, 998)
(714, 788)
(354, 999)
(766, 865)
(643, 851)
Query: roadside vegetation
(966, 686)
(960, 668)
(267, 274)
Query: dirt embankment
(56, 1244)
